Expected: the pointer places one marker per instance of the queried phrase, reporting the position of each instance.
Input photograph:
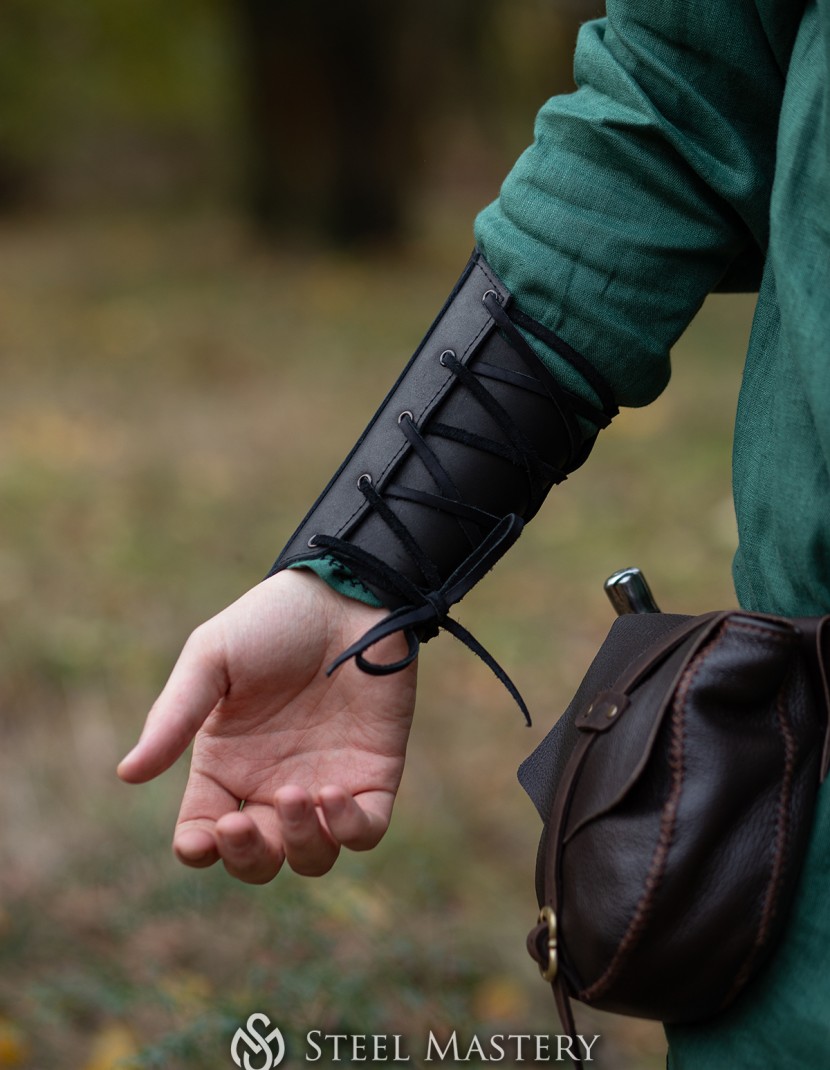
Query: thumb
(197, 683)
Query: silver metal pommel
(629, 592)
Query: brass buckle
(548, 918)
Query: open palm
(288, 764)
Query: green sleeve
(338, 576)
(646, 188)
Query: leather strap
(816, 632)
(823, 651)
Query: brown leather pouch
(677, 794)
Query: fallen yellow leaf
(498, 999)
(13, 1047)
(111, 1048)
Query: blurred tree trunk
(339, 98)
(15, 183)
(332, 124)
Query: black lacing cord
(525, 453)
(567, 403)
(443, 481)
(426, 608)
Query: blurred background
(204, 289)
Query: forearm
(460, 455)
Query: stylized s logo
(257, 1044)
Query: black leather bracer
(458, 457)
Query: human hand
(316, 760)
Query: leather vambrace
(461, 453)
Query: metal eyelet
(406, 412)
(312, 542)
(364, 477)
(446, 353)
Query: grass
(173, 396)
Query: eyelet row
(366, 476)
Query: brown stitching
(667, 824)
(657, 868)
(758, 629)
(779, 850)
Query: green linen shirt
(695, 155)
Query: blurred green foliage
(136, 94)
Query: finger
(351, 824)
(196, 684)
(204, 802)
(309, 849)
(195, 844)
(248, 853)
